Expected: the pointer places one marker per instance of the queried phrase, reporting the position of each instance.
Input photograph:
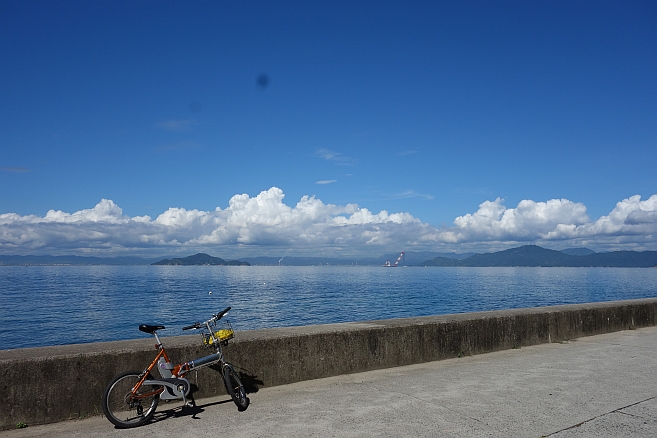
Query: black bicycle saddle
(150, 328)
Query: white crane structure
(387, 264)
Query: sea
(59, 305)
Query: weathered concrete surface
(43, 385)
(597, 386)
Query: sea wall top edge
(71, 350)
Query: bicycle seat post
(157, 338)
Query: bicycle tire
(235, 388)
(124, 411)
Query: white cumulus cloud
(632, 224)
(528, 221)
(265, 222)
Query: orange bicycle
(131, 398)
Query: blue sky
(311, 127)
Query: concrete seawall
(50, 384)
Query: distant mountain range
(411, 258)
(532, 255)
(73, 260)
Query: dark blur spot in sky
(195, 107)
(262, 81)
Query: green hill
(200, 259)
(529, 255)
(578, 251)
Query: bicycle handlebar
(217, 317)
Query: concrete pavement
(595, 386)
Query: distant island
(535, 256)
(200, 259)
(528, 255)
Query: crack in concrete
(599, 416)
(635, 416)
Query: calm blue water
(55, 305)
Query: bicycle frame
(173, 384)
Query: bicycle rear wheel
(125, 409)
(235, 388)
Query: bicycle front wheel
(235, 388)
(125, 409)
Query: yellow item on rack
(222, 335)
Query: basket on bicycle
(223, 331)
